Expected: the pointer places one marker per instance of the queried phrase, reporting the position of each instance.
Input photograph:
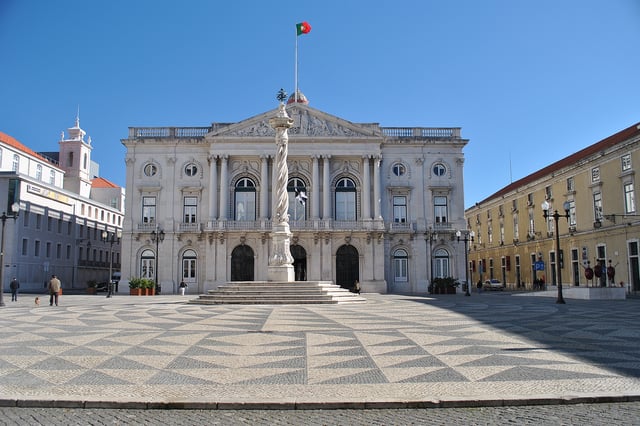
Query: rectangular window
(595, 174)
(69, 252)
(532, 228)
(49, 224)
(25, 218)
(597, 206)
(36, 249)
(345, 205)
(572, 212)
(148, 209)
(399, 209)
(25, 246)
(39, 172)
(52, 177)
(440, 209)
(48, 250)
(530, 199)
(571, 185)
(245, 205)
(58, 251)
(548, 193)
(38, 221)
(626, 162)
(190, 208)
(401, 269)
(516, 231)
(629, 198)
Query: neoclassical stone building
(376, 204)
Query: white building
(64, 208)
(383, 204)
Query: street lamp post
(556, 216)
(433, 237)
(111, 239)
(157, 235)
(468, 236)
(15, 207)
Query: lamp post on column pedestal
(111, 238)
(15, 210)
(468, 236)
(556, 216)
(157, 236)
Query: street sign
(539, 265)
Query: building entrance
(299, 255)
(242, 263)
(347, 266)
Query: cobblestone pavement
(579, 415)
(392, 352)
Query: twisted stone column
(281, 261)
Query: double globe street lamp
(556, 216)
(15, 210)
(157, 236)
(468, 236)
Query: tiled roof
(11, 141)
(574, 158)
(99, 182)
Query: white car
(493, 284)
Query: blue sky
(529, 82)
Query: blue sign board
(539, 265)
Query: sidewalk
(393, 351)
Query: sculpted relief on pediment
(305, 124)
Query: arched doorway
(299, 255)
(347, 266)
(189, 262)
(242, 263)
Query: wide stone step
(267, 292)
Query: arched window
(345, 200)
(16, 163)
(400, 266)
(148, 265)
(441, 264)
(297, 199)
(189, 261)
(245, 200)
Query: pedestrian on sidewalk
(14, 286)
(479, 285)
(54, 290)
(183, 287)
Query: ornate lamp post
(15, 207)
(114, 237)
(556, 216)
(432, 237)
(468, 236)
(157, 235)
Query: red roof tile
(102, 183)
(9, 140)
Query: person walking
(14, 286)
(183, 287)
(54, 290)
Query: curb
(306, 405)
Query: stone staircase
(278, 293)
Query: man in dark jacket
(14, 286)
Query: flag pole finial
(282, 95)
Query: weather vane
(282, 95)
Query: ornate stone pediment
(306, 122)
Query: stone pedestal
(281, 261)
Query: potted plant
(92, 287)
(446, 285)
(135, 286)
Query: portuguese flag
(303, 28)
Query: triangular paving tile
(136, 377)
(166, 377)
(94, 377)
(23, 361)
(87, 362)
(440, 375)
(57, 377)
(152, 361)
(397, 375)
(355, 362)
(391, 351)
(292, 352)
(55, 363)
(355, 351)
(289, 378)
(323, 339)
(81, 351)
(298, 362)
(525, 373)
(367, 376)
(24, 379)
(505, 360)
(425, 361)
(120, 363)
(183, 362)
(476, 374)
(142, 351)
(203, 351)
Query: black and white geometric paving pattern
(393, 348)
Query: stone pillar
(366, 190)
(281, 261)
(376, 187)
(326, 191)
(264, 187)
(315, 192)
(213, 187)
(224, 186)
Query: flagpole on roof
(301, 28)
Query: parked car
(493, 284)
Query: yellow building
(593, 193)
